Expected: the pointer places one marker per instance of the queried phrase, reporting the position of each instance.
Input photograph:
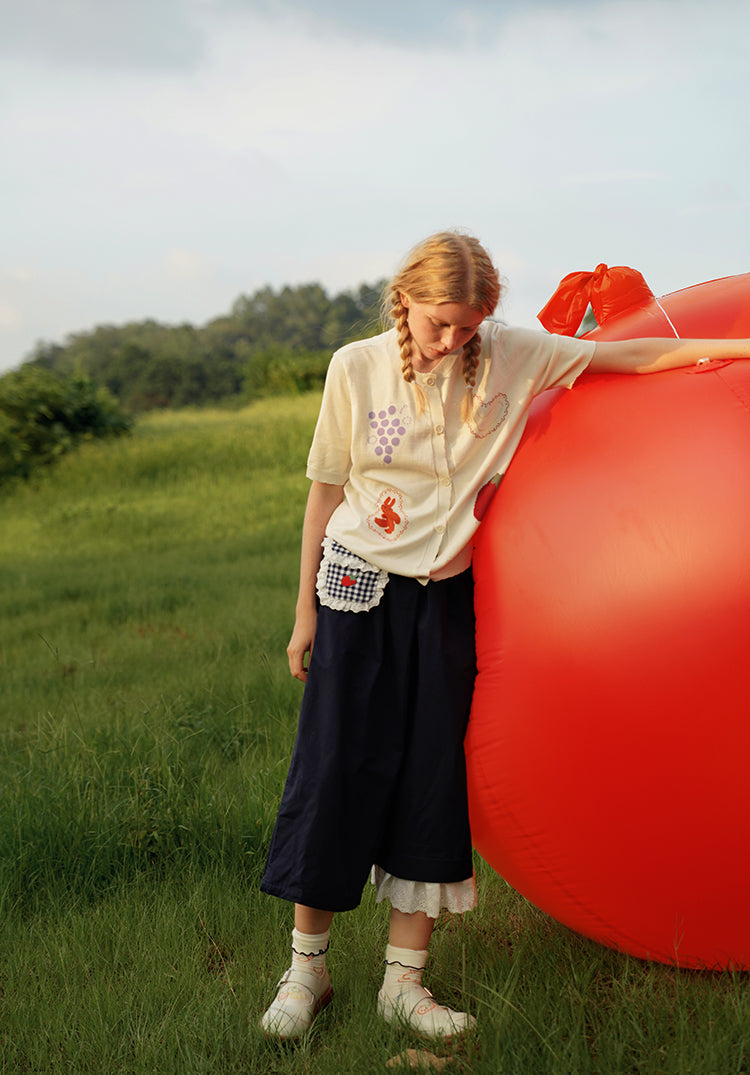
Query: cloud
(446, 24)
(170, 35)
(184, 264)
(451, 24)
(613, 178)
(229, 145)
(8, 315)
(142, 35)
(424, 22)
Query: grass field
(147, 590)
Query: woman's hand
(322, 501)
(300, 645)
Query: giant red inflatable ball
(608, 749)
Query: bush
(42, 416)
(280, 371)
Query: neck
(421, 363)
(425, 365)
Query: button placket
(444, 486)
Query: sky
(162, 157)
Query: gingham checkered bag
(347, 582)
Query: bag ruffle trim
(346, 582)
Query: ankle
(403, 998)
(403, 970)
(309, 954)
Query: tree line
(269, 342)
(93, 385)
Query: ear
(404, 299)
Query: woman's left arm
(655, 355)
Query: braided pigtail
(470, 365)
(403, 333)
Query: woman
(413, 424)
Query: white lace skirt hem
(429, 897)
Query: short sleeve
(568, 359)
(329, 459)
(551, 361)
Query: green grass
(147, 591)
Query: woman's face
(437, 330)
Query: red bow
(607, 291)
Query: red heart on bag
(348, 581)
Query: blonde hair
(450, 266)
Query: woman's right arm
(322, 501)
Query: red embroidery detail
(389, 519)
(485, 495)
(348, 581)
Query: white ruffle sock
(403, 999)
(303, 990)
